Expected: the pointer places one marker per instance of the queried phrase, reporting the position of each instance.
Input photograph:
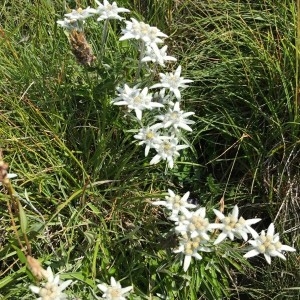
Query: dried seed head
(3, 172)
(81, 48)
(35, 268)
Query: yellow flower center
(114, 293)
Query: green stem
(15, 203)
(297, 92)
(103, 39)
(142, 53)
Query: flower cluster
(74, 21)
(268, 245)
(194, 230)
(76, 18)
(161, 131)
(158, 111)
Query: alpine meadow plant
(139, 99)
(195, 231)
(86, 249)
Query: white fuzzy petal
(271, 229)
(251, 253)
(34, 289)
(287, 248)
(222, 236)
(235, 212)
(187, 262)
(219, 214)
(102, 287)
(64, 285)
(268, 258)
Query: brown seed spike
(3, 171)
(36, 269)
(81, 48)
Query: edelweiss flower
(190, 248)
(141, 31)
(150, 137)
(80, 14)
(176, 118)
(52, 289)
(157, 55)
(268, 245)
(167, 150)
(109, 11)
(195, 224)
(233, 227)
(175, 203)
(113, 291)
(172, 81)
(136, 99)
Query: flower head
(142, 31)
(114, 291)
(267, 244)
(52, 289)
(175, 203)
(109, 11)
(232, 226)
(172, 81)
(136, 99)
(80, 14)
(167, 150)
(190, 248)
(157, 55)
(176, 118)
(195, 224)
(150, 137)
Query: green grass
(86, 186)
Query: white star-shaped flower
(136, 99)
(149, 137)
(190, 247)
(172, 81)
(109, 11)
(80, 14)
(267, 244)
(156, 55)
(167, 150)
(114, 291)
(195, 224)
(52, 289)
(176, 118)
(142, 31)
(233, 226)
(175, 203)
